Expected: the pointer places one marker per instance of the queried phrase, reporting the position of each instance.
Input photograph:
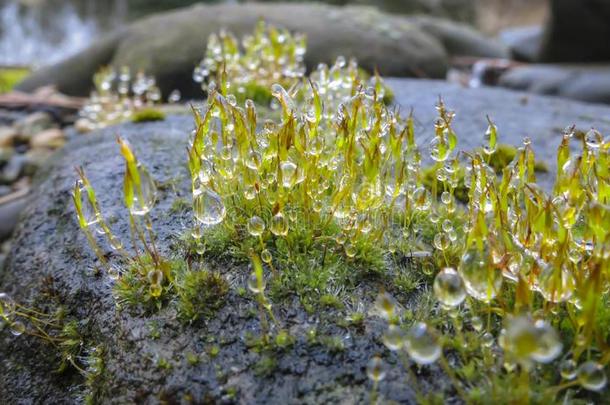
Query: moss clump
(200, 293)
(146, 284)
(9, 77)
(505, 154)
(148, 115)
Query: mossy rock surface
(169, 45)
(149, 358)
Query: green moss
(134, 289)
(147, 115)
(9, 77)
(179, 205)
(261, 95)
(200, 293)
(505, 154)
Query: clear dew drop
(256, 226)
(422, 344)
(449, 288)
(483, 281)
(556, 285)
(350, 250)
(385, 305)
(208, 207)
(289, 173)
(567, 369)
(279, 225)
(591, 376)
(266, 256)
(376, 369)
(144, 198)
(17, 328)
(393, 338)
(255, 285)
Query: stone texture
(169, 45)
(32, 124)
(7, 136)
(524, 42)
(589, 83)
(50, 138)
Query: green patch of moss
(135, 287)
(200, 293)
(147, 115)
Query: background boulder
(169, 45)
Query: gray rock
(12, 170)
(589, 83)
(523, 42)
(34, 159)
(169, 45)
(577, 31)
(49, 245)
(4, 190)
(9, 216)
(7, 136)
(32, 124)
(460, 40)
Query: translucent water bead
(591, 376)
(449, 287)
(375, 369)
(144, 198)
(422, 344)
(208, 207)
(482, 280)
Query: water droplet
(17, 328)
(289, 173)
(385, 305)
(449, 287)
(393, 338)
(7, 305)
(208, 207)
(375, 369)
(155, 277)
(256, 226)
(482, 280)
(279, 225)
(567, 369)
(591, 376)
(422, 344)
(442, 241)
(144, 196)
(593, 139)
(556, 285)
(526, 340)
(421, 199)
(350, 250)
(255, 285)
(477, 323)
(487, 339)
(266, 256)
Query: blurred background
(40, 32)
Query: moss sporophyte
(323, 187)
